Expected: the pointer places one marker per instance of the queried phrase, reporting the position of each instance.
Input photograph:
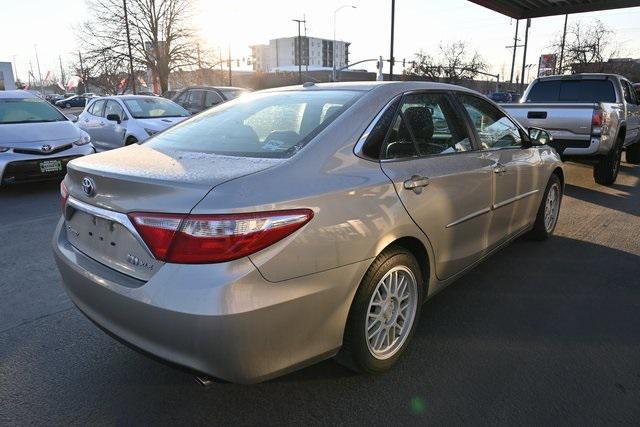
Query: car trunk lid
(105, 187)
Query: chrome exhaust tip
(203, 381)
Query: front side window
(275, 124)
(196, 99)
(426, 124)
(28, 110)
(212, 98)
(114, 108)
(150, 108)
(494, 128)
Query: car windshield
(28, 110)
(151, 108)
(275, 124)
(572, 91)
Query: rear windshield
(258, 125)
(572, 91)
(232, 93)
(28, 110)
(151, 108)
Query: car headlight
(151, 132)
(84, 139)
(4, 149)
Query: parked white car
(116, 121)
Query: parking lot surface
(540, 333)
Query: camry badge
(88, 186)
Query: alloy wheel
(391, 312)
(552, 207)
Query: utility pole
(39, 73)
(335, 14)
(514, 47)
(62, 79)
(564, 36)
(132, 77)
(299, 21)
(229, 65)
(15, 69)
(393, 18)
(524, 56)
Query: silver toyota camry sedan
(298, 224)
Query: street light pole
(299, 21)
(126, 24)
(393, 18)
(335, 15)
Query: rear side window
(572, 91)
(426, 124)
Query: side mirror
(72, 117)
(114, 118)
(539, 136)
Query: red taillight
(64, 195)
(200, 239)
(597, 118)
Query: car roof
(214, 87)
(20, 94)
(365, 86)
(125, 97)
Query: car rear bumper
(222, 320)
(18, 168)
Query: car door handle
(499, 168)
(416, 183)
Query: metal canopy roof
(520, 9)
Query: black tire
(355, 353)
(606, 170)
(67, 105)
(130, 141)
(633, 153)
(541, 231)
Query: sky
(49, 27)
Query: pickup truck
(591, 117)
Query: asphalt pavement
(541, 333)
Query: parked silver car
(297, 224)
(36, 140)
(116, 121)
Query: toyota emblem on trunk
(88, 186)
(46, 148)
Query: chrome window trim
(109, 215)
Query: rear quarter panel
(357, 211)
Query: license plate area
(50, 166)
(109, 243)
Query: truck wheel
(384, 313)
(606, 170)
(549, 210)
(633, 153)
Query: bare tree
(161, 37)
(454, 63)
(585, 44)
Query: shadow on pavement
(478, 353)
